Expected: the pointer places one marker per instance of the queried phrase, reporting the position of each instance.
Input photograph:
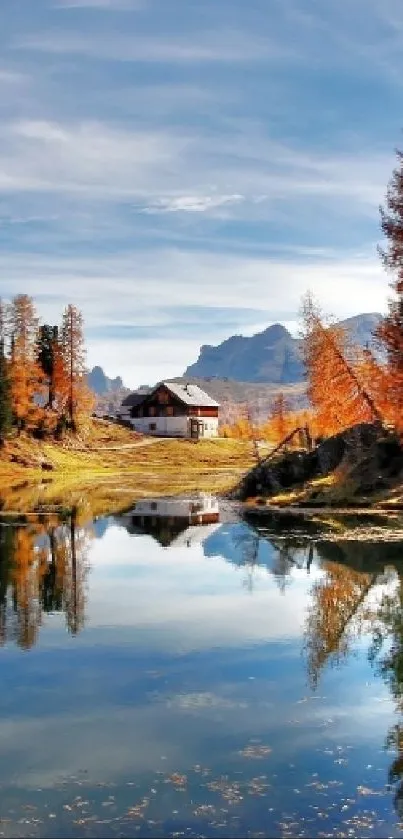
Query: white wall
(181, 507)
(174, 426)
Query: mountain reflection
(43, 569)
(355, 587)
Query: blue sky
(184, 171)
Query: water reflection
(43, 569)
(172, 521)
(179, 675)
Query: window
(151, 411)
(152, 426)
(169, 411)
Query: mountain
(109, 392)
(269, 356)
(101, 384)
(236, 397)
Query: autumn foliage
(43, 386)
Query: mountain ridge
(270, 356)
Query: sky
(185, 171)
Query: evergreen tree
(390, 331)
(48, 347)
(5, 384)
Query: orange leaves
(338, 390)
(279, 419)
(73, 354)
(47, 375)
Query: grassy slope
(111, 466)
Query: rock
(371, 459)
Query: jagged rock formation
(101, 384)
(269, 356)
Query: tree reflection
(43, 569)
(386, 654)
(340, 610)
(334, 618)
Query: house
(180, 521)
(130, 401)
(172, 410)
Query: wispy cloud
(192, 203)
(247, 151)
(166, 169)
(111, 5)
(204, 47)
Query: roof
(191, 395)
(188, 394)
(134, 398)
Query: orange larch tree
(27, 381)
(279, 418)
(335, 389)
(79, 397)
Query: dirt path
(145, 441)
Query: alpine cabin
(172, 410)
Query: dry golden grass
(111, 466)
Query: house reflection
(173, 521)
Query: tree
(390, 330)
(48, 351)
(5, 384)
(79, 400)
(26, 376)
(279, 418)
(335, 389)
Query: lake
(177, 671)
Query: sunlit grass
(113, 469)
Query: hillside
(258, 397)
(107, 467)
(269, 356)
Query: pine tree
(390, 331)
(47, 350)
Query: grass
(110, 466)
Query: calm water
(175, 672)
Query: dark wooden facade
(163, 403)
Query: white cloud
(119, 291)
(167, 170)
(192, 203)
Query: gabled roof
(188, 394)
(191, 395)
(135, 398)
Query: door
(194, 429)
